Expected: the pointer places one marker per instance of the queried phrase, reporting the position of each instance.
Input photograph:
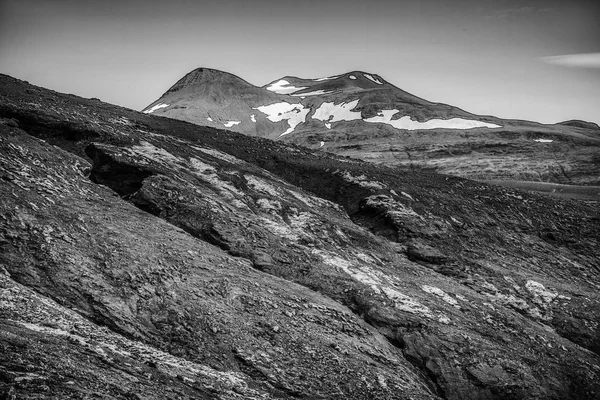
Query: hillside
(151, 258)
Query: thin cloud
(585, 60)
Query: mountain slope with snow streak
(222, 97)
(361, 115)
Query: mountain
(294, 105)
(151, 258)
(363, 116)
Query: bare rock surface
(144, 257)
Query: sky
(523, 59)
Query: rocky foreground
(148, 258)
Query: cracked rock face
(142, 257)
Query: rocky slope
(146, 257)
(361, 115)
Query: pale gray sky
(496, 57)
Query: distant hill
(580, 124)
(361, 115)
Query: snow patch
(209, 119)
(326, 78)
(156, 107)
(315, 93)
(229, 124)
(327, 125)
(293, 113)
(252, 118)
(284, 87)
(352, 77)
(321, 144)
(385, 117)
(332, 112)
(371, 78)
(543, 140)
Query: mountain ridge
(310, 97)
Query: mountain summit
(361, 115)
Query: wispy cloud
(585, 60)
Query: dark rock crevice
(124, 179)
(68, 135)
(397, 332)
(427, 374)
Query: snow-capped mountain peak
(353, 101)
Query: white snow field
(229, 124)
(315, 93)
(329, 112)
(371, 78)
(284, 87)
(332, 112)
(293, 113)
(156, 107)
(385, 117)
(326, 78)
